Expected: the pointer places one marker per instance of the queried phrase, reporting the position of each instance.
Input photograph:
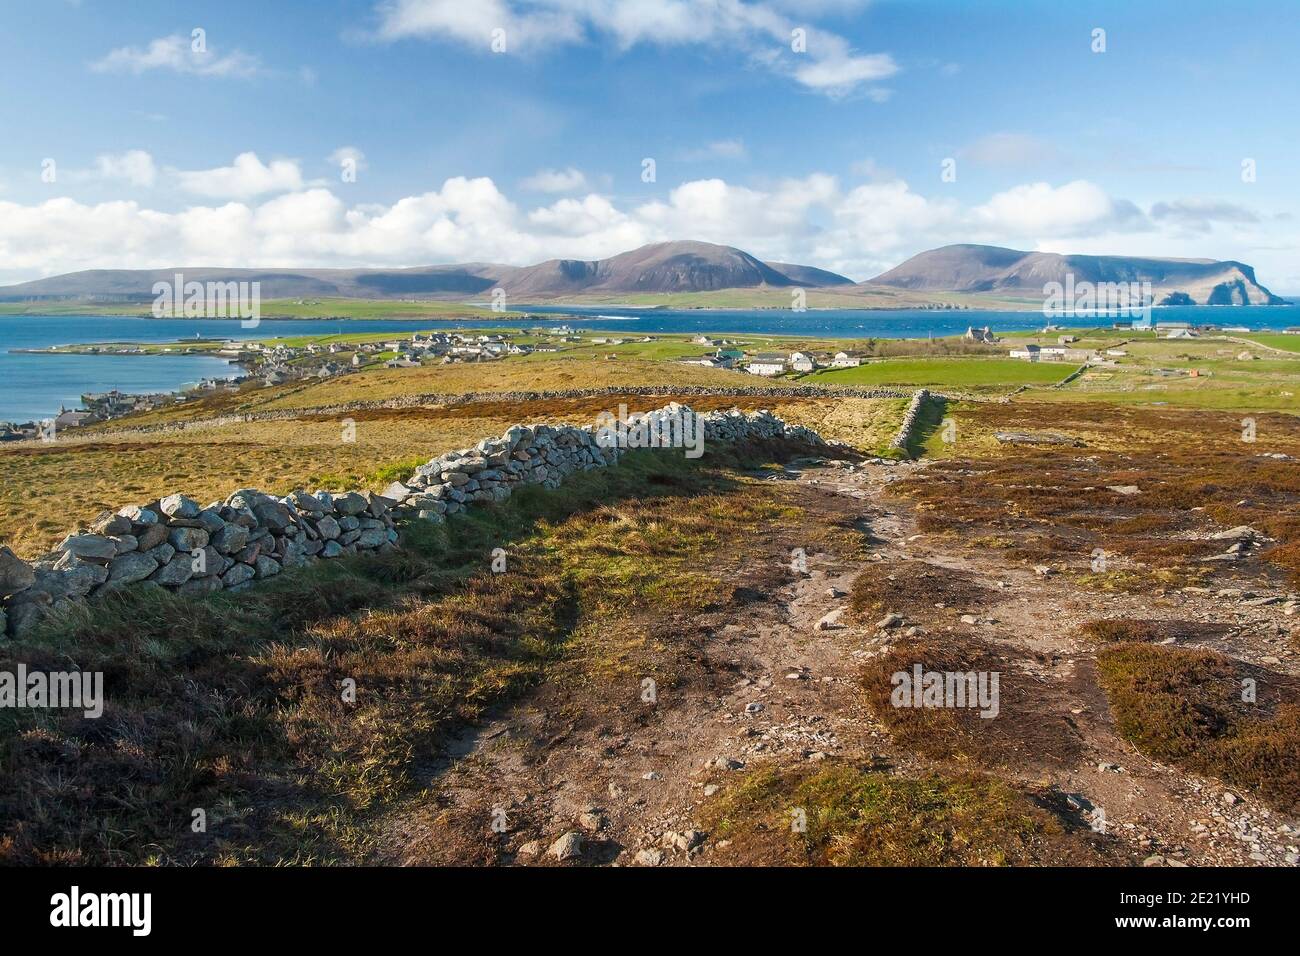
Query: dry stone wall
(910, 417)
(177, 544)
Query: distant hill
(660, 268)
(991, 269)
(981, 273)
(810, 276)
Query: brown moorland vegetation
(1189, 707)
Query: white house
(846, 360)
(767, 364)
(800, 362)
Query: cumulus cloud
(762, 31)
(1078, 208)
(178, 54)
(858, 231)
(555, 181)
(248, 176)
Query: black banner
(337, 905)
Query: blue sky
(832, 156)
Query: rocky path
(594, 774)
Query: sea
(36, 386)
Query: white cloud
(248, 176)
(761, 31)
(858, 231)
(1078, 208)
(473, 23)
(177, 53)
(555, 181)
(832, 67)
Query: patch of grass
(1185, 707)
(954, 372)
(1024, 731)
(395, 471)
(912, 589)
(856, 816)
(1118, 630)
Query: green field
(949, 372)
(1275, 340)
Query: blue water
(33, 387)
(885, 323)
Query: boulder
(213, 563)
(237, 575)
(130, 568)
(175, 572)
(273, 515)
(89, 547)
(162, 553)
(328, 528)
(151, 536)
(178, 506)
(308, 503)
(567, 847)
(187, 539)
(126, 542)
(231, 538)
(111, 524)
(211, 520)
(140, 516)
(248, 554)
(397, 492)
(266, 567)
(75, 582)
(15, 573)
(350, 504)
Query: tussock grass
(1185, 707)
(1025, 732)
(860, 816)
(912, 588)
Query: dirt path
(761, 681)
